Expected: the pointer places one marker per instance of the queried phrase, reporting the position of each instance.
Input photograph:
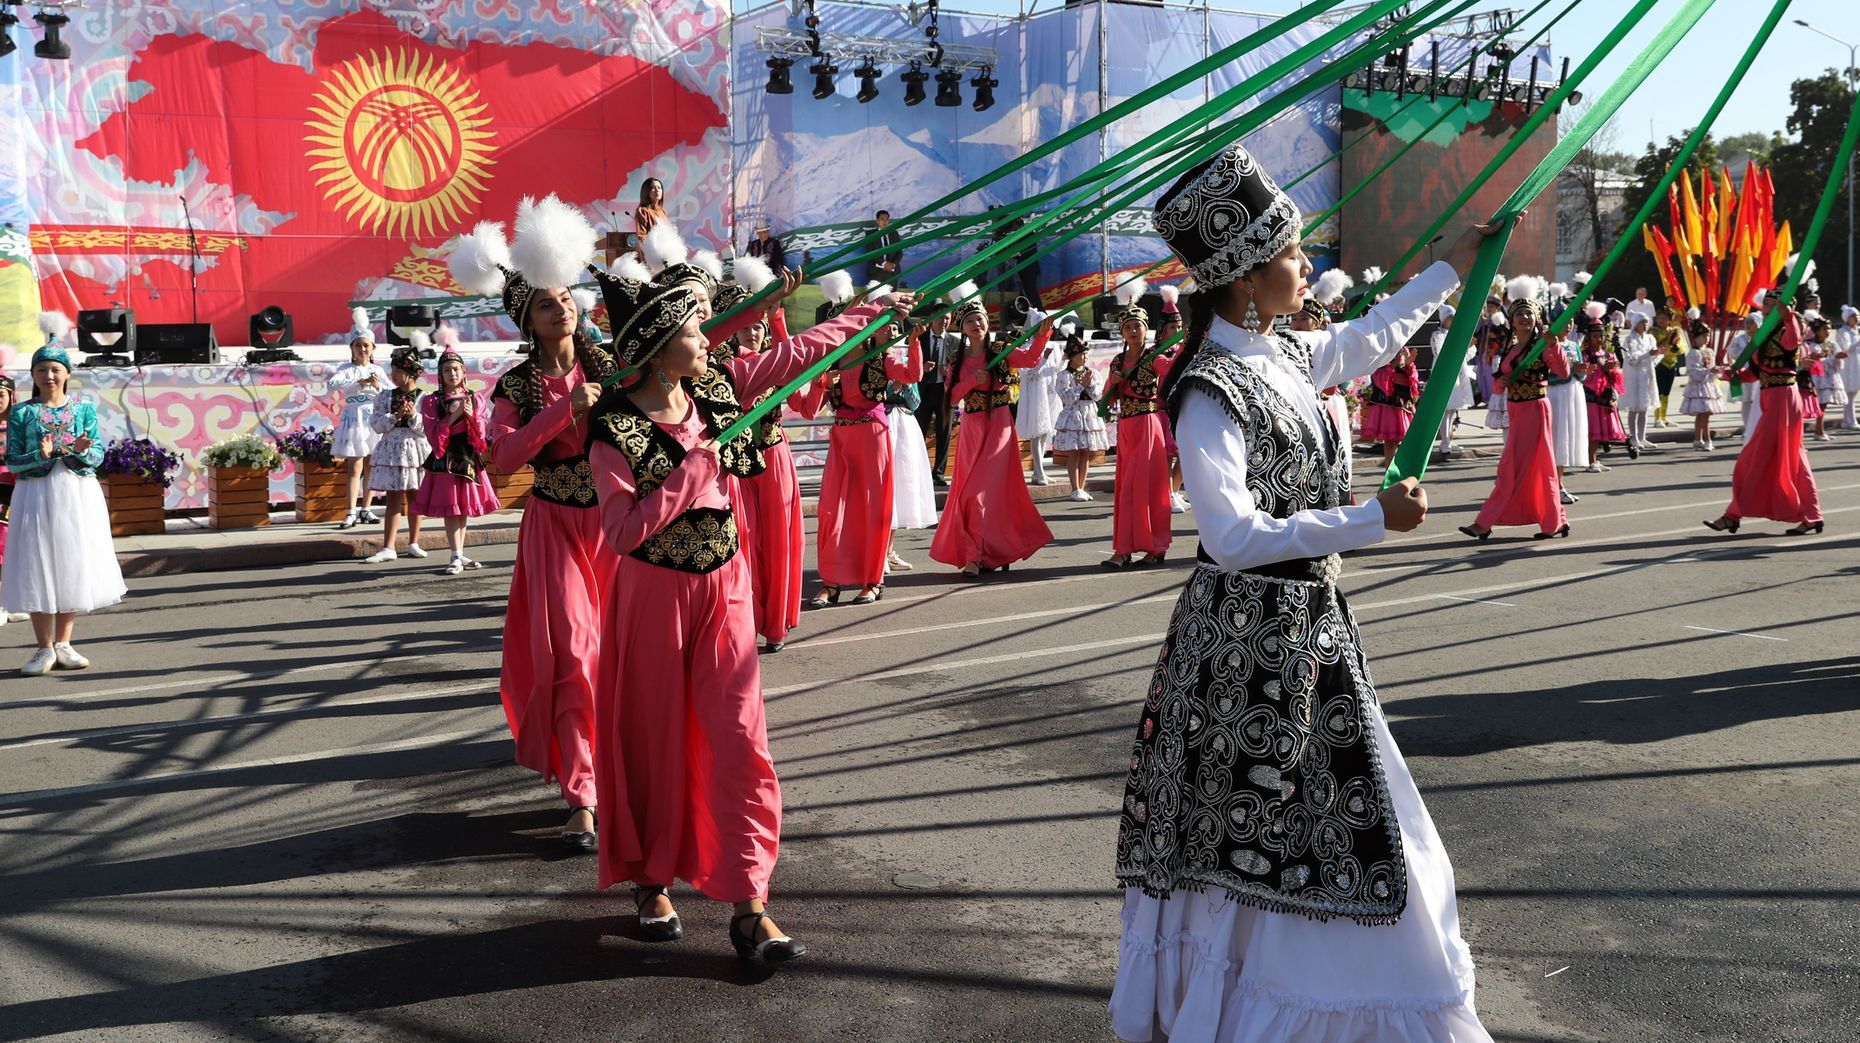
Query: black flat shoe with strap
(1476, 534)
(582, 840)
(1805, 528)
(827, 596)
(1564, 531)
(779, 949)
(656, 928)
(1722, 525)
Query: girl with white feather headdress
(1528, 489)
(1140, 516)
(360, 381)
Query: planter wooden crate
(238, 497)
(322, 493)
(135, 504)
(513, 490)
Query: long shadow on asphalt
(1627, 711)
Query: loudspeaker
(176, 343)
(1102, 309)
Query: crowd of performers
(1282, 877)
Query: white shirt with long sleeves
(1234, 532)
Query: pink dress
(1772, 478)
(445, 495)
(989, 518)
(1526, 492)
(686, 785)
(558, 585)
(1140, 518)
(1602, 390)
(856, 488)
(1391, 407)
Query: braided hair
(1200, 320)
(584, 356)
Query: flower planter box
(322, 493)
(238, 497)
(135, 504)
(513, 490)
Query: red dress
(558, 585)
(1526, 492)
(1391, 403)
(989, 518)
(1772, 478)
(686, 784)
(856, 496)
(1602, 390)
(1140, 517)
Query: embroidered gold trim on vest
(569, 482)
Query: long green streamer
(1412, 455)
(1656, 200)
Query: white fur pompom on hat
(585, 300)
(663, 246)
(1331, 285)
(1067, 326)
(1171, 298)
(629, 266)
(1581, 277)
(359, 326)
(57, 327)
(553, 243)
(1372, 275)
(479, 258)
(419, 341)
(710, 262)
(964, 292)
(445, 336)
(836, 286)
(1595, 309)
(1558, 291)
(751, 273)
(1132, 291)
(1523, 287)
(1692, 313)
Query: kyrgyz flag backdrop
(328, 151)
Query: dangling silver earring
(1250, 322)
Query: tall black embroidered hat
(1226, 217)
(1130, 295)
(644, 317)
(726, 296)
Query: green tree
(1800, 169)
(1637, 267)
(1758, 146)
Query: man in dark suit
(886, 266)
(938, 346)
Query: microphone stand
(193, 267)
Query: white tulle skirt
(1569, 424)
(59, 557)
(1200, 968)
(1495, 417)
(913, 498)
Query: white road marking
(203, 680)
(1477, 601)
(1736, 633)
(421, 742)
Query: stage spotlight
(984, 85)
(108, 335)
(914, 81)
(7, 21)
(868, 81)
(948, 89)
(824, 70)
(403, 320)
(53, 46)
(779, 81)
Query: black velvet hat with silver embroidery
(644, 317)
(1226, 217)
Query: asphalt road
(281, 805)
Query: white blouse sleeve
(1233, 531)
(1354, 349)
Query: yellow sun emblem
(402, 141)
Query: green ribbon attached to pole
(1412, 455)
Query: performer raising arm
(1282, 878)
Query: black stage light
(108, 335)
(53, 46)
(403, 320)
(868, 81)
(914, 81)
(779, 81)
(824, 70)
(272, 333)
(948, 89)
(984, 85)
(7, 21)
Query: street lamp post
(1853, 80)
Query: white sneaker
(67, 657)
(1177, 505)
(384, 554)
(1568, 497)
(41, 661)
(455, 566)
(1824, 437)
(18, 617)
(1595, 468)
(1710, 448)
(414, 550)
(1080, 496)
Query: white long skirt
(913, 498)
(1496, 418)
(59, 557)
(1200, 968)
(1569, 424)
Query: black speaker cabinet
(176, 343)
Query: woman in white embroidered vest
(686, 786)
(1282, 878)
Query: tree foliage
(1800, 169)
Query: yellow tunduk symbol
(403, 143)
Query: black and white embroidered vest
(702, 539)
(568, 481)
(1255, 769)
